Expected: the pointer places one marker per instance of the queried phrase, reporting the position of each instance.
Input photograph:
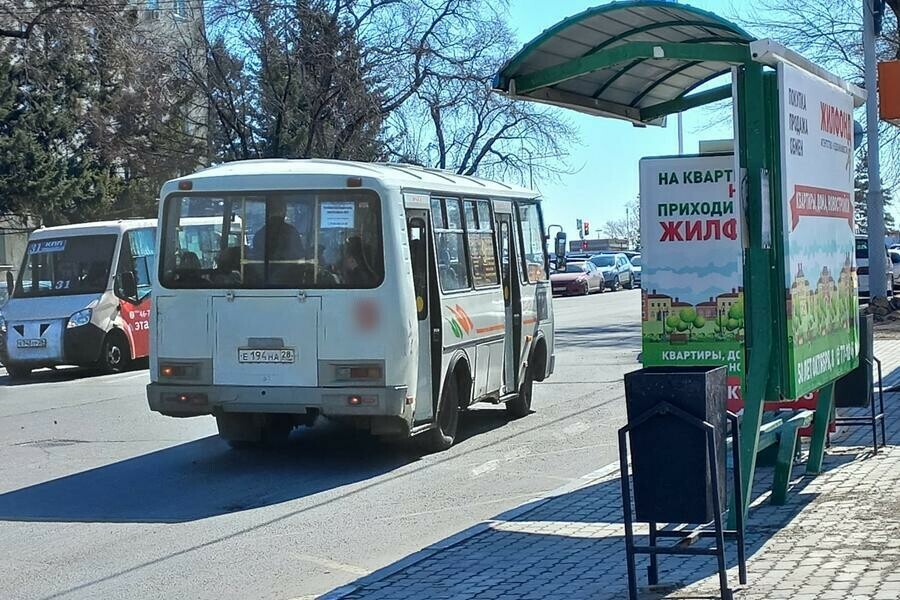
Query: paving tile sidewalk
(837, 538)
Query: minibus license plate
(32, 343)
(255, 355)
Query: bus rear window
(273, 240)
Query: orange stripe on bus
(529, 321)
(497, 327)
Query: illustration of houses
(725, 301)
(799, 294)
(708, 309)
(657, 306)
(826, 286)
(845, 279)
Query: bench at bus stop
(779, 436)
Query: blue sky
(608, 155)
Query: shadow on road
(620, 335)
(205, 478)
(577, 539)
(64, 374)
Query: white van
(82, 298)
(862, 269)
(389, 296)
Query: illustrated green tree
(685, 320)
(672, 322)
(735, 322)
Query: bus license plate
(32, 343)
(254, 355)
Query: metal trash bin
(670, 456)
(854, 390)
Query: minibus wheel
(520, 406)
(115, 356)
(442, 436)
(18, 373)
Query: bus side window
(453, 265)
(505, 254)
(534, 259)
(480, 230)
(418, 251)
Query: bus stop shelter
(642, 60)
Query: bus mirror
(10, 282)
(127, 285)
(560, 250)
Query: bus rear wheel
(442, 436)
(520, 406)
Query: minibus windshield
(273, 240)
(66, 266)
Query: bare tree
(468, 128)
(20, 18)
(628, 227)
(830, 32)
(320, 77)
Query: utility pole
(874, 199)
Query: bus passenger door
(511, 302)
(428, 318)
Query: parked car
(616, 270)
(636, 268)
(577, 278)
(895, 266)
(862, 268)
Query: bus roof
(94, 228)
(404, 176)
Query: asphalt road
(100, 498)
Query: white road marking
(576, 428)
(481, 469)
(332, 564)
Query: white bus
(388, 296)
(82, 297)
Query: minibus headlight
(82, 317)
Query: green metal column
(753, 136)
(824, 408)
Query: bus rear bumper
(193, 400)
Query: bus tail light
(351, 373)
(359, 372)
(362, 400)
(179, 370)
(192, 398)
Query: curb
(466, 534)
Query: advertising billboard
(817, 173)
(692, 275)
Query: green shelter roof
(623, 58)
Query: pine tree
(861, 189)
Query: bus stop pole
(752, 134)
(874, 199)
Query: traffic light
(587, 228)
